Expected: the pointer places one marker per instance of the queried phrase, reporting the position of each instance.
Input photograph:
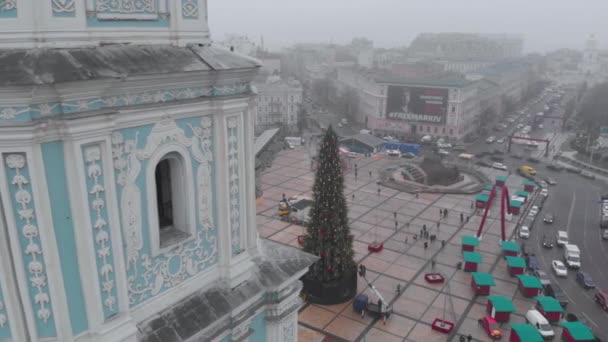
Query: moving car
(559, 268)
(562, 238)
(527, 169)
(517, 156)
(524, 232)
(601, 297)
(499, 166)
(543, 277)
(543, 184)
(550, 181)
(500, 141)
(585, 280)
(555, 167)
(408, 155)
(547, 243)
(548, 218)
(490, 139)
(491, 327)
(573, 170)
(482, 163)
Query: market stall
(471, 260)
(481, 282)
(516, 265)
(469, 242)
(500, 308)
(550, 308)
(529, 286)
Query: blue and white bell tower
(127, 180)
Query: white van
(539, 322)
(562, 238)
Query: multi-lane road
(574, 202)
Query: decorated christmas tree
(328, 233)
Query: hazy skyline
(545, 24)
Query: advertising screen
(417, 104)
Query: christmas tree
(328, 234)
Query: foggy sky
(545, 24)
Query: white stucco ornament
(35, 264)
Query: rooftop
(579, 331)
(530, 282)
(510, 246)
(367, 139)
(516, 262)
(502, 303)
(483, 279)
(527, 333)
(470, 240)
(549, 304)
(473, 257)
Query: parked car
(555, 167)
(548, 218)
(532, 262)
(408, 155)
(482, 163)
(517, 156)
(543, 184)
(601, 297)
(573, 170)
(533, 160)
(499, 166)
(490, 139)
(587, 175)
(491, 327)
(585, 280)
(543, 277)
(544, 192)
(559, 268)
(524, 232)
(497, 158)
(500, 141)
(352, 155)
(550, 181)
(556, 292)
(534, 210)
(393, 153)
(443, 152)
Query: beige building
(278, 102)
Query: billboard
(427, 105)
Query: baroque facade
(127, 180)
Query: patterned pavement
(372, 218)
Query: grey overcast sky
(545, 24)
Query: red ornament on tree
(321, 231)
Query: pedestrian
(426, 245)
(445, 213)
(284, 198)
(353, 197)
(433, 262)
(406, 239)
(370, 175)
(461, 217)
(416, 195)
(378, 191)
(407, 225)
(398, 289)
(438, 223)
(396, 225)
(471, 205)
(442, 243)
(421, 231)
(462, 338)
(468, 217)
(469, 338)
(355, 167)
(415, 238)
(440, 213)
(424, 227)
(395, 215)
(355, 174)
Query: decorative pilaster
(101, 232)
(282, 317)
(234, 183)
(23, 208)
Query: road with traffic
(574, 201)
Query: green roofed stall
(515, 204)
(577, 331)
(482, 198)
(529, 286)
(502, 303)
(522, 193)
(489, 187)
(525, 333)
(529, 182)
(471, 260)
(549, 307)
(516, 265)
(481, 282)
(510, 248)
(469, 243)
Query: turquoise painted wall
(27, 225)
(150, 276)
(5, 331)
(54, 169)
(8, 10)
(259, 328)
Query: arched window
(171, 198)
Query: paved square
(404, 260)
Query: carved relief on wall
(149, 275)
(234, 183)
(104, 254)
(127, 9)
(20, 189)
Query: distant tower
(590, 62)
